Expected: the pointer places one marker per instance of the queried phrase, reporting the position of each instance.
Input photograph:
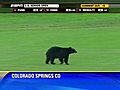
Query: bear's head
(72, 50)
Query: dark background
(64, 1)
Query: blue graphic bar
(61, 81)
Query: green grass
(24, 39)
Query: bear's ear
(69, 47)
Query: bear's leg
(47, 60)
(52, 60)
(66, 60)
(61, 60)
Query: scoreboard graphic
(61, 8)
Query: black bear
(58, 52)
